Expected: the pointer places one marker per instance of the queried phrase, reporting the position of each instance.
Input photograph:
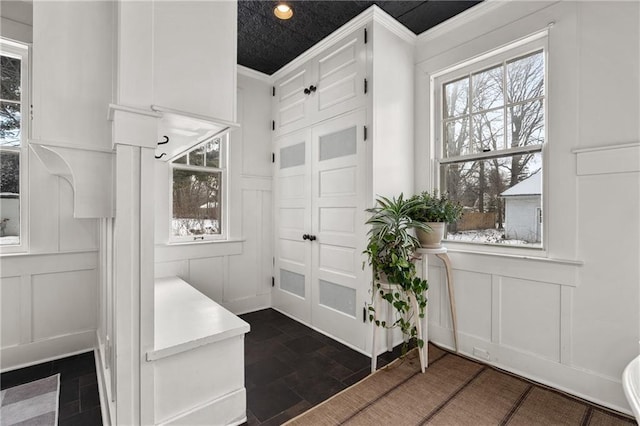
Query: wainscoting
(49, 304)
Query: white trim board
(619, 158)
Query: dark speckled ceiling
(266, 43)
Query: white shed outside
(523, 210)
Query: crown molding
(459, 20)
(256, 75)
(390, 23)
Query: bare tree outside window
(493, 131)
(197, 192)
(10, 147)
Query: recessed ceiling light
(283, 11)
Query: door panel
(337, 210)
(292, 263)
(290, 103)
(339, 77)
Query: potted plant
(391, 253)
(435, 210)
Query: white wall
(571, 317)
(49, 294)
(236, 273)
(16, 22)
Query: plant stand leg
(447, 265)
(374, 352)
(421, 350)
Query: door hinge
(365, 133)
(273, 124)
(365, 86)
(364, 314)
(273, 157)
(365, 36)
(273, 91)
(273, 281)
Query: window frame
(502, 55)
(224, 188)
(21, 51)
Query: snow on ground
(484, 236)
(9, 240)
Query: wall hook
(166, 141)
(160, 156)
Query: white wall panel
(75, 234)
(606, 304)
(530, 317)
(55, 314)
(43, 211)
(254, 133)
(70, 101)
(10, 315)
(605, 56)
(208, 276)
(178, 268)
(473, 303)
(185, 79)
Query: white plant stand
(441, 253)
(421, 324)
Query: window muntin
(13, 137)
(198, 193)
(492, 131)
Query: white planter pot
(434, 238)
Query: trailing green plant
(391, 253)
(434, 207)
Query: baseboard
(249, 304)
(587, 385)
(219, 409)
(26, 355)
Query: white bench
(198, 358)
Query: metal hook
(160, 156)
(166, 141)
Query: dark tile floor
(79, 397)
(289, 368)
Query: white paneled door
(292, 185)
(320, 201)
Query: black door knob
(306, 91)
(306, 237)
(312, 88)
(312, 237)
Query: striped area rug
(34, 403)
(453, 391)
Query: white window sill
(177, 251)
(525, 254)
(520, 264)
(198, 242)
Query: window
(491, 127)
(14, 103)
(198, 192)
